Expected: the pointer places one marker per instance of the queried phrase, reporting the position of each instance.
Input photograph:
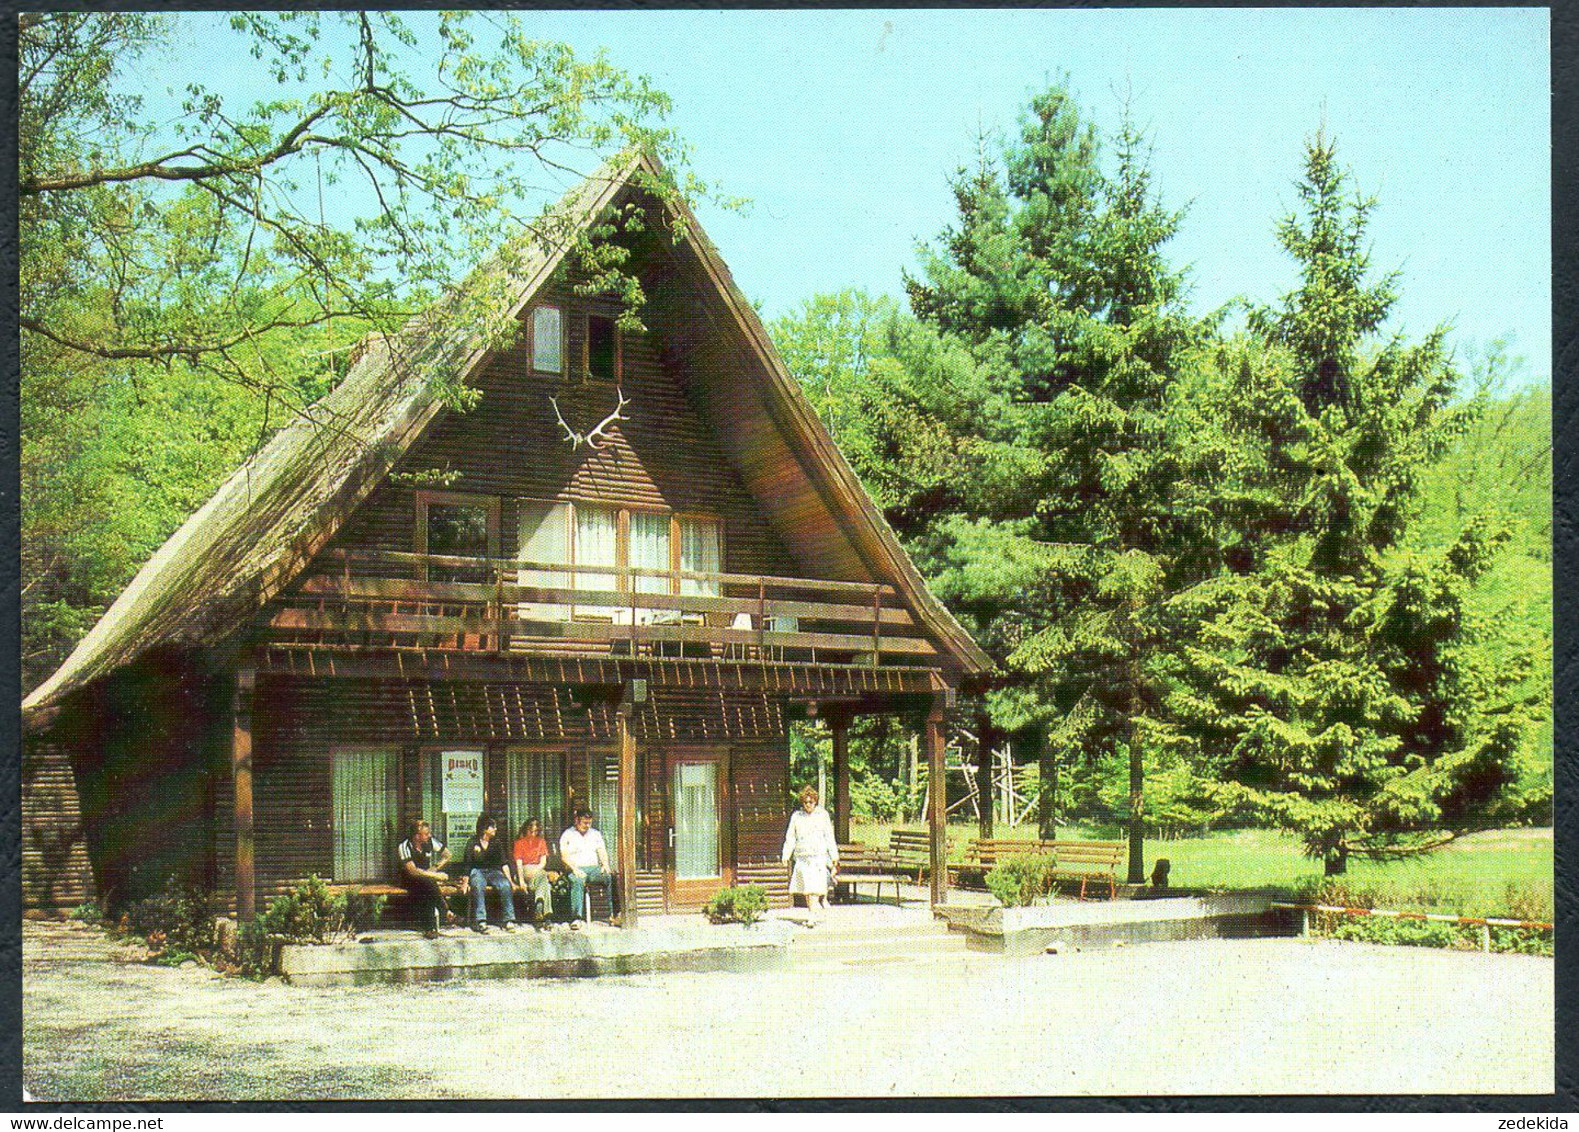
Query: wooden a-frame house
(328, 647)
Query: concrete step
(804, 950)
(852, 948)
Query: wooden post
(937, 798)
(627, 846)
(986, 739)
(840, 722)
(241, 776)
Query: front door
(696, 834)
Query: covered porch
(683, 759)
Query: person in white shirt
(581, 848)
(813, 853)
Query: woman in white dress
(809, 847)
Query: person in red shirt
(531, 870)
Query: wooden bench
(392, 892)
(1087, 861)
(912, 850)
(860, 864)
(1082, 861)
(983, 854)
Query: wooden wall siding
(297, 721)
(699, 336)
(761, 800)
(56, 871)
(143, 777)
(652, 851)
(532, 713)
(511, 445)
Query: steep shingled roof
(268, 520)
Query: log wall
(297, 721)
(511, 446)
(56, 872)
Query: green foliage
(873, 799)
(1339, 686)
(1017, 430)
(1517, 904)
(256, 956)
(742, 905)
(176, 920)
(313, 913)
(1022, 879)
(89, 912)
(177, 310)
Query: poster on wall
(462, 782)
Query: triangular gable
(269, 519)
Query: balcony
(389, 600)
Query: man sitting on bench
(585, 855)
(422, 861)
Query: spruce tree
(1337, 685)
(1067, 534)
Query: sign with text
(462, 782)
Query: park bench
(863, 864)
(1088, 861)
(983, 854)
(1074, 861)
(912, 851)
(393, 894)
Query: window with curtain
(365, 792)
(534, 788)
(548, 340)
(700, 551)
(585, 537)
(596, 544)
(603, 781)
(649, 550)
(544, 537)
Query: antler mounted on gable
(593, 438)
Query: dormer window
(548, 340)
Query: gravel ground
(1217, 1017)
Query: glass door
(696, 820)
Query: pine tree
(1068, 534)
(1338, 685)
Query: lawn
(1498, 872)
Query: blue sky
(842, 128)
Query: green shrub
(175, 920)
(313, 913)
(1024, 878)
(89, 912)
(743, 905)
(256, 955)
(1518, 903)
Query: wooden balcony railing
(394, 600)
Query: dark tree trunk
(1336, 862)
(1137, 779)
(1137, 813)
(987, 739)
(1047, 773)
